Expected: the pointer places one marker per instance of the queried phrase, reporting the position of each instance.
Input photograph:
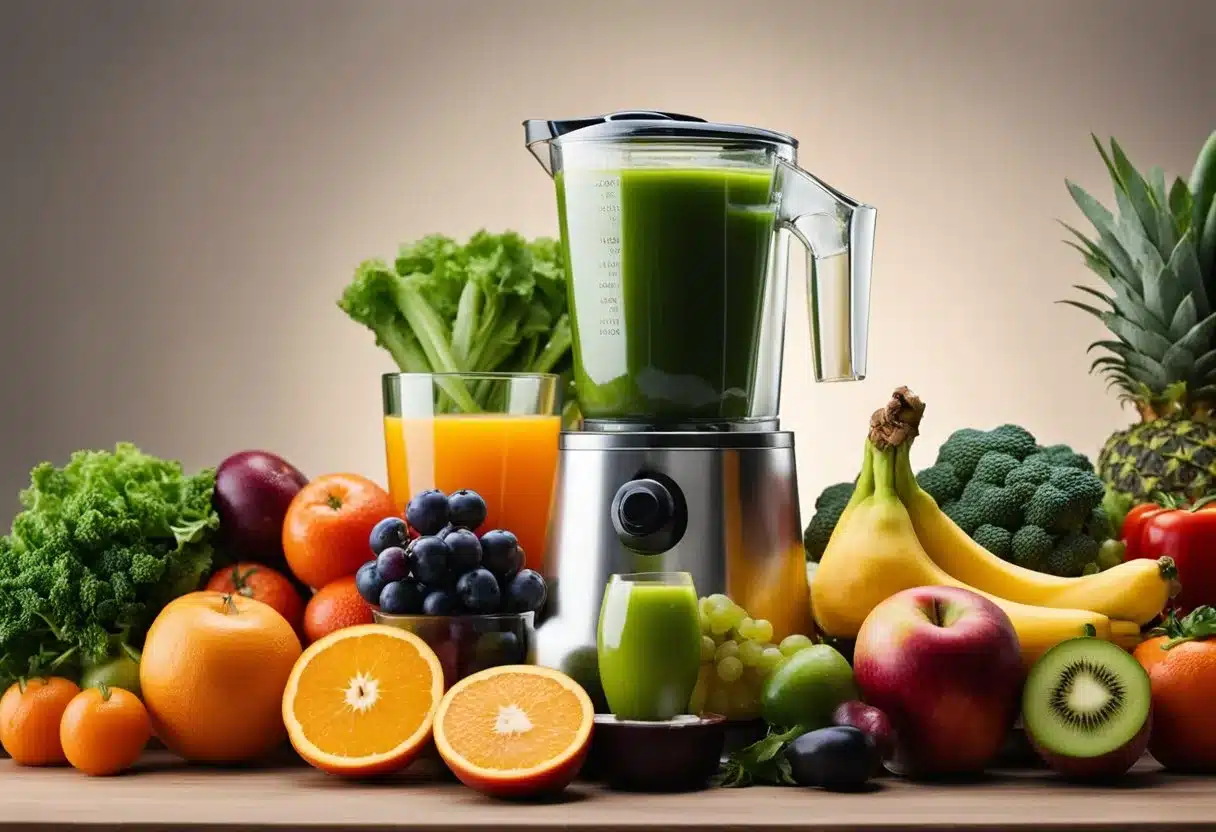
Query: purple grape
(427, 512)
(466, 509)
(393, 564)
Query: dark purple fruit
(430, 558)
(466, 509)
(252, 492)
(402, 598)
(526, 592)
(478, 592)
(393, 564)
(839, 758)
(439, 602)
(427, 512)
(369, 583)
(389, 532)
(465, 551)
(500, 553)
(871, 722)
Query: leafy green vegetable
(762, 763)
(102, 545)
(494, 304)
(1197, 625)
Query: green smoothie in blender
(672, 268)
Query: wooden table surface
(163, 794)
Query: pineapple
(1157, 256)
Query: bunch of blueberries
(433, 562)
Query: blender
(675, 234)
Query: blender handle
(838, 233)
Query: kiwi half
(1087, 708)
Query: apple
(943, 664)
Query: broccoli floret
(965, 515)
(962, 451)
(993, 504)
(994, 539)
(1030, 547)
(1062, 456)
(828, 507)
(1013, 440)
(1098, 526)
(1071, 554)
(1032, 471)
(941, 483)
(994, 467)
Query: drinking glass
(649, 644)
(493, 433)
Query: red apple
(943, 664)
(252, 492)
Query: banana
(1135, 591)
(1203, 185)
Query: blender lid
(647, 124)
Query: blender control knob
(645, 515)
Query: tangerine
(362, 700)
(253, 580)
(1151, 652)
(334, 606)
(1184, 724)
(30, 711)
(104, 730)
(212, 675)
(328, 527)
(515, 730)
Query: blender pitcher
(675, 234)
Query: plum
(871, 722)
(252, 492)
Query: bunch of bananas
(892, 537)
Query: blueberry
(439, 602)
(427, 512)
(391, 531)
(431, 561)
(526, 592)
(466, 509)
(369, 583)
(393, 564)
(478, 592)
(466, 551)
(500, 553)
(402, 598)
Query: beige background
(185, 188)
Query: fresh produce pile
(1034, 506)
(432, 562)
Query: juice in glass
(649, 644)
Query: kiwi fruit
(1087, 708)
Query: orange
(29, 720)
(253, 580)
(1184, 724)
(212, 674)
(104, 730)
(328, 527)
(1149, 652)
(362, 700)
(333, 607)
(515, 731)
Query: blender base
(734, 525)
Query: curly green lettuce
(100, 547)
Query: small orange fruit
(1151, 652)
(104, 730)
(328, 527)
(253, 580)
(1184, 726)
(30, 712)
(334, 606)
(212, 676)
(515, 731)
(362, 700)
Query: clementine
(30, 711)
(328, 527)
(1184, 724)
(334, 606)
(104, 730)
(1151, 652)
(212, 675)
(362, 700)
(253, 580)
(515, 731)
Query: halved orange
(515, 731)
(362, 700)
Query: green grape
(708, 648)
(718, 602)
(746, 628)
(718, 701)
(725, 650)
(792, 644)
(771, 657)
(703, 619)
(704, 605)
(762, 630)
(720, 621)
(736, 614)
(730, 668)
(750, 653)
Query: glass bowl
(467, 644)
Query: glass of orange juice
(493, 433)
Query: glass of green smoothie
(649, 644)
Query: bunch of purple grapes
(432, 562)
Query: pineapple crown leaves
(1157, 256)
